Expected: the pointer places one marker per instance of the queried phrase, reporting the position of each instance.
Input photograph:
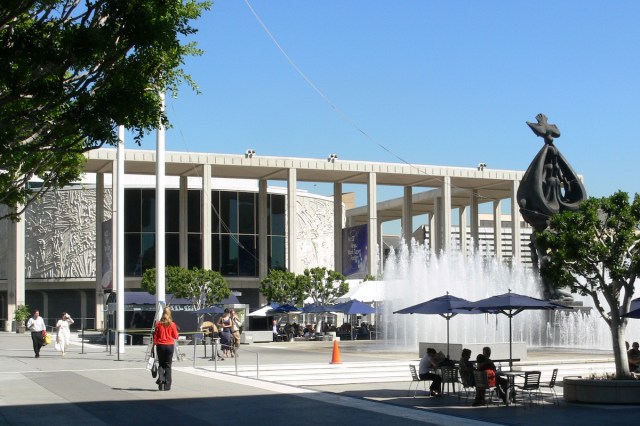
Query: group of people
(633, 356)
(433, 360)
(38, 330)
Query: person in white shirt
(36, 326)
(427, 365)
(64, 333)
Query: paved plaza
(290, 383)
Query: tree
(72, 71)
(281, 287)
(322, 285)
(595, 251)
(202, 286)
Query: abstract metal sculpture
(549, 186)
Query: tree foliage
(72, 71)
(322, 285)
(203, 287)
(595, 251)
(282, 287)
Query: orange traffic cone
(335, 359)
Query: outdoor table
(511, 376)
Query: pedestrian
(164, 339)
(224, 325)
(235, 331)
(36, 326)
(63, 336)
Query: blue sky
(433, 82)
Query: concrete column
(372, 203)
(407, 215)
(205, 214)
(462, 219)
(263, 241)
(292, 215)
(15, 271)
(515, 223)
(160, 211)
(446, 214)
(497, 229)
(433, 228)
(475, 221)
(380, 249)
(119, 284)
(337, 227)
(438, 235)
(183, 221)
(99, 303)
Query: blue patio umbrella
(284, 309)
(511, 304)
(634, 309)
(446, 306)
(353, 307)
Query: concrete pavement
(96, 388)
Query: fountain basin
(499, 350)
(594, 391)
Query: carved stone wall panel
(60, 234)
(314, 233)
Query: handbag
(154, 369)
(47, 339)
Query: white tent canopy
(367, 292)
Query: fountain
(417, 275)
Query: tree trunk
(619, 349)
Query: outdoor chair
(551, 387)
(466, 385)
(482, 382)
(530, 386)
(415, 378)
(450, 378)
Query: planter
(601, 391)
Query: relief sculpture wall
(60, 234)
(314, 233)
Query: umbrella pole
(448, 340)
(510, 341)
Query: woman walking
(224, 324)
(164, 338)
(63, 332)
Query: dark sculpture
(549, 186)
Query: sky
(424, 82)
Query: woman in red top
(164, 338)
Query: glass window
(247, 256)
(215, 211)
(132, 209)
(172, 249)
(148, 250)
(148, 210)
(228, 255)
(229, 212)
(247, 213)
(215, 253)
(194, 256)
(172, 210)
(277, 213)
(276, 253)
(132, 256)
(193, 210)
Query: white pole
(119, 237)
(160, 210)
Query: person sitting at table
(501, 383)
(633, 356)
(428, 363)
(466, 368)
